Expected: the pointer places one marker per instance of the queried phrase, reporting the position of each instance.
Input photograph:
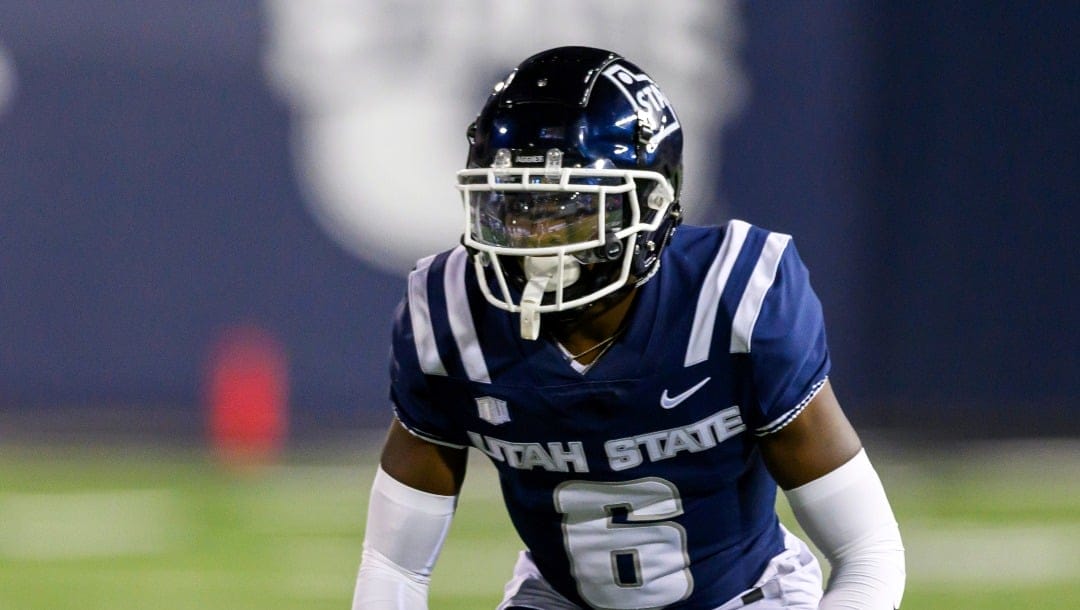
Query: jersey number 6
(623, 554)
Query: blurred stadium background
(207, 209)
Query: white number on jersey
(622, 552)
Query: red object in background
(247, 396)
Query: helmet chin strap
(542, 274)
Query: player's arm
(839, 501)
(412, 503)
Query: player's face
(522, 219)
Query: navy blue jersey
(638, 483)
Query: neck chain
(602, 344)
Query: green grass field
(986, 527)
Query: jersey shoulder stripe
(440, 281)
(708, 304)
(461, 319)
(427, 352)
(734, 288)
(761, 279)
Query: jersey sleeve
(411, 391)
(787, 345)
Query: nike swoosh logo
(670, 402)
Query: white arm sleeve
(405, 531)
(847, 515)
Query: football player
(641, 387)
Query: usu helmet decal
(647, 99)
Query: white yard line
(301, 476)
(51, 526)
(977, 553)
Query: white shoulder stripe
(420, 316)
(461, 320)
(697, 349)
(761, 279)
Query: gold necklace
(602, 344)
(593, 349)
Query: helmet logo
(653, 108)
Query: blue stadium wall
(923, 155)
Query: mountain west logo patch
(492, 410)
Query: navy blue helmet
(572, 182)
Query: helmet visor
(528, 219)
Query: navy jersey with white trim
(638, 483)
